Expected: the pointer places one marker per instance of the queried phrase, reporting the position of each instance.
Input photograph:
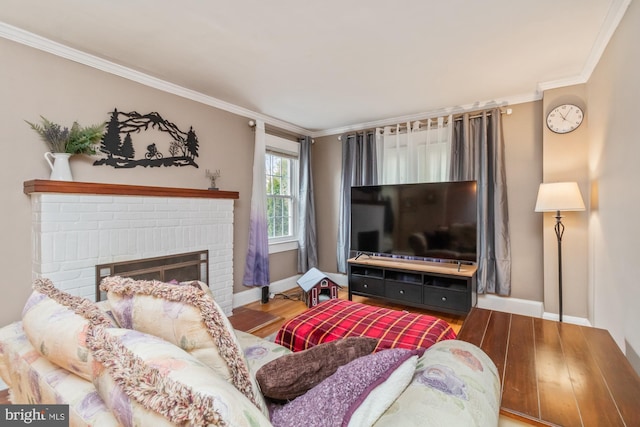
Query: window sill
(289, 245)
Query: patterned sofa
(164, 354)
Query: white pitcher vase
(59, 164)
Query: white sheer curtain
(415, 152)
(256, 270)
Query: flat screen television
(426, 221)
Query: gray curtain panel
(307, 237)
(359, 167)
(477, 153)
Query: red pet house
(317, 287)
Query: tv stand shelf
(431, 285)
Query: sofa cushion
(34, 379)
(355, 395)
(291, 375)
(259, 351)
(145, 380)
(455, 384)
(105, 307)
(187, 317)
(56, 323)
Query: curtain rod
(508, 112)
(459, 116)
(275, 131)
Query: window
(281, 169)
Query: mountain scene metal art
(157, 142)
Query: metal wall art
(162, 142)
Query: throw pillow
(355, 395)
(145, 380)
(187, 317)
(56, 324)
(291, 375)
(259, 351)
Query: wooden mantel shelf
(72, 187)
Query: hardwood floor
(556, 373)
(287, 305)
(552, 373)
(4, 397)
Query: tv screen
(431, 221)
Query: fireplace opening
(179, 267)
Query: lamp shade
(559, 196)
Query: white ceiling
(332, 65)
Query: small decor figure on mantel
(65, 142)
(213, 176)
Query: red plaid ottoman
(336, 318)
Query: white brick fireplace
(76, 226)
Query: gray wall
(523, 138)
(36, 83)
(614, 173)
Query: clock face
(564, 118)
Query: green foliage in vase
(77, 140)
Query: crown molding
(481, 105)
(555, 84)
(611, 21)
(35, 41)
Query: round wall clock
(564, 118)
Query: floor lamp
(557, 197)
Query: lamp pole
(557, 197)
(559, 229)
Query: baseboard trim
(255, 294)
(567, 319)
(487, 301)
(526, 308)
(511, 305)
(632, 356)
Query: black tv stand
(446, 287)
